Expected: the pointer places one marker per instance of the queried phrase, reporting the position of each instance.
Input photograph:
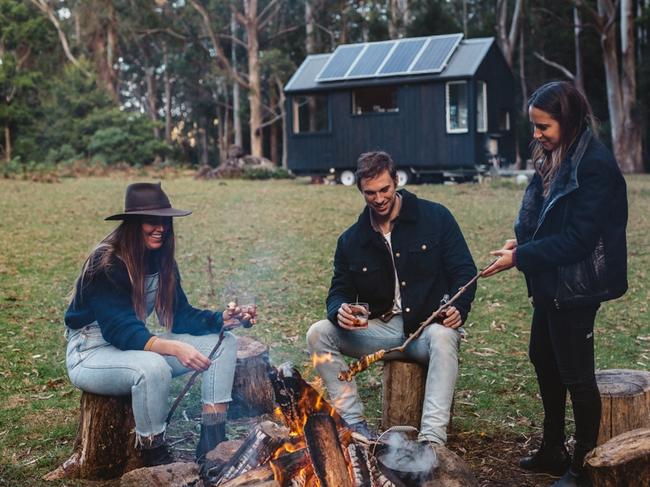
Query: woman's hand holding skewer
(505, 261)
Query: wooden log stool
(403, 386)
(622, 461)
(252, 392)
(625, 395)
(105, 444)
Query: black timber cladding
(416, 135)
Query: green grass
(272, 240)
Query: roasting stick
(366, 361)
(231, 307)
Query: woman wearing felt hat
(131, 273)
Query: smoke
(405, 455)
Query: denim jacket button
(424, 246)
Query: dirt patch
(494, 459)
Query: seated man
(402, 256)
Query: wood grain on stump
(623, 461)
(403, 386)
(625, 395)
(105, 444)
(252, 393)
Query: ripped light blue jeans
(96, 366)
(437, 348)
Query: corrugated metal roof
(463, 64)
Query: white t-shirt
(397, 303)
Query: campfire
(315, 448)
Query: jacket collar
(408, 213)
(566, 183)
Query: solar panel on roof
(370, 59)
(340, 62)
(436, 53)
(402, 56)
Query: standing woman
(570, 244)
(131, 273)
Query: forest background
(163, 82)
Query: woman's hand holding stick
(233, 316)
(366, 361)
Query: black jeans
(562, 351)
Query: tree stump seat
(622, 461)
(403, 387)
(252, 392)
(104, 447)
(625, 396)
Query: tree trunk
(251, 391)
(633, 158)
(152, 108)
(577, 31)
(8, 150)
(255, 83)
(507, 37)
(105, 443)
(624, 461)
(514, 126)
(625, 396)
(168, 97)
(273, 129)
(203, 135)
(397, 18)
(610, 60)
(344, 7)
(236, 109)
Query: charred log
(325, 451)
(298, 400)
(257, 449)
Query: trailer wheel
(347, 178)
(403, 177)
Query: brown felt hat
(147, 199)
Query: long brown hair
(126, 242)
(569, 107)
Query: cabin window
(504, 120)
(456, 97)
(481, 106)
(310, 114)
(380, 99)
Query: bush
(260, 173)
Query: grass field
(274, 241)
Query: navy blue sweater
(106, 298)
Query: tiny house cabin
(440, 105)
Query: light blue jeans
(96, 366)
(437, 346)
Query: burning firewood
(325, 451)
(297, 400)
(258, 448)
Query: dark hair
(126, 242)
(372, 164)
(569, 107)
